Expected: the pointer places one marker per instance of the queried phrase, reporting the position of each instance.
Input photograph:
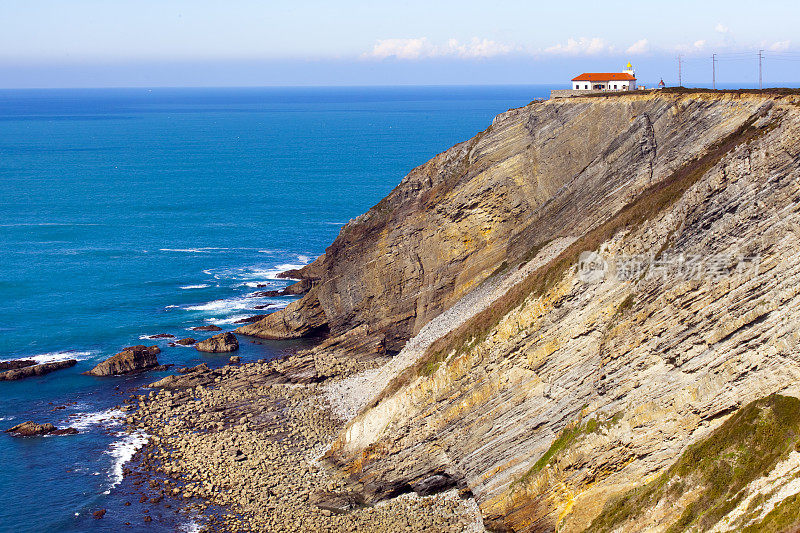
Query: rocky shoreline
(249, 442)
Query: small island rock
(36, 370)
(131, 360)
(32, 429)
(224, 342)
(16, 364)
(210, 327)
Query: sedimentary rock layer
(575, 388)
(551, 169)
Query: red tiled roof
(604, 76)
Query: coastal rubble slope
(567, 392)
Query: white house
(606, 81)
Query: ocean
(126, 213)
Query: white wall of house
(617, 85)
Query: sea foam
(83, 421)
(53, 357)
(123, 451)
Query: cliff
(556, 394)
(548, 170)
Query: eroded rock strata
(596, 305)
(566, 393)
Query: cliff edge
(548, 170)
(635, 341)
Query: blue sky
(86, 43)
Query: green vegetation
(565, 439)
(626, 304)
(784, 517)
(744, 448)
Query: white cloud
(422, 48)
(780, 46)
(401, 48)
(477, 48)
(639, 47)
(721, 28)
(700, 44)
(582, 46)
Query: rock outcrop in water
(28, 370)
(32, 429)
(574, 388)
(130, 360)
(224, 342)
(16, 364)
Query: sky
(129, 43)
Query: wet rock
(131, 360)
(188, 341)
(250, 319)
(235, 360)
(99, 514)
(36, 370)
(32, 429)
(162, 336)
(224, 342)
(210, 327)
(14, 365)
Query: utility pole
(680, 80)
(714, 71)
(760, 79)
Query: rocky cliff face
(540, 172)
(556, 398)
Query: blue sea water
(129, 213)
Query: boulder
(235, 360)
(337, 502)
(32, 429)
(161, 336)
(36, 370)
(199, 368)
(210, 327)
(192, 377)
(131, 360)
(224, 342)
(188, 341)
